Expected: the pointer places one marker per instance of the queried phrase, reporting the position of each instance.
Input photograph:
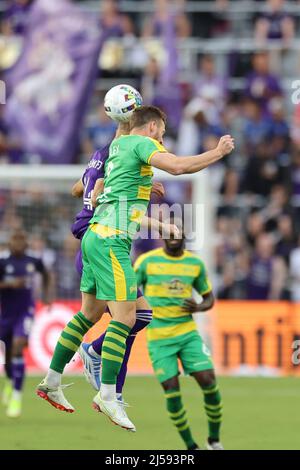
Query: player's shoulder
(157, 252)
(193, 258)
(4, 257)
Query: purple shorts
(16, 327)
(79, 268)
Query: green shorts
(189, 349)
(107, 269)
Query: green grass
(258, 414)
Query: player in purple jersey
(17, 272)
(89, 187)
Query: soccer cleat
(115, 410)
(14, 408)
(216, 445)
(6, 393)
(92, 366)
(54, 396)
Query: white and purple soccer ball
(120, 102)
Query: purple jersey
(16, 302)
(94, 171)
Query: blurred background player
(17, 273)
(168, 276)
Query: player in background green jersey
(168, 276)
(106, 246)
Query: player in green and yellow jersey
(168, 276)
(108, 276)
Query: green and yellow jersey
(127, 185)
(167, 282)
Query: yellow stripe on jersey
(154, 290)
(169, 312)
(137, 216)
(119, 277)
(154, 334)
(146, 170)
(144, 192)
(105, 231)
(179, 269)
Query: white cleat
(115, 410)
(214, 446)
(55, 396)
(92, 366)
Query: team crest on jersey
(176, 286)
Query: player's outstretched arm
(183, 165)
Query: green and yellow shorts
(188, 349)
(107, 269)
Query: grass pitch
(258, 414)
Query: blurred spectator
(257, 128)
(154, 26)
(195, 128)
(15, 17)
(261, 84)
(276, 23)
(295, 273)
(114, 23)
(211, 87)
(267, 274)
(286, 237)
(100, 132)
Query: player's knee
(170, 384)
(206, 378)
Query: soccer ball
(120, 102)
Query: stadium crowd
(257, 246)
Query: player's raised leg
(212, 405)
(50, 389)
(91, 353)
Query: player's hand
(225, 145)
(190, 306)
(158, 189)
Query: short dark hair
(141, 116)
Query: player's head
(18, 242)
(149, 121)
(175, 245)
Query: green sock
(177, 414)
(113, 351)
(213, 409)
(69, 341)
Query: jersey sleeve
(146, 148)
(140, 270)
(202, 284)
